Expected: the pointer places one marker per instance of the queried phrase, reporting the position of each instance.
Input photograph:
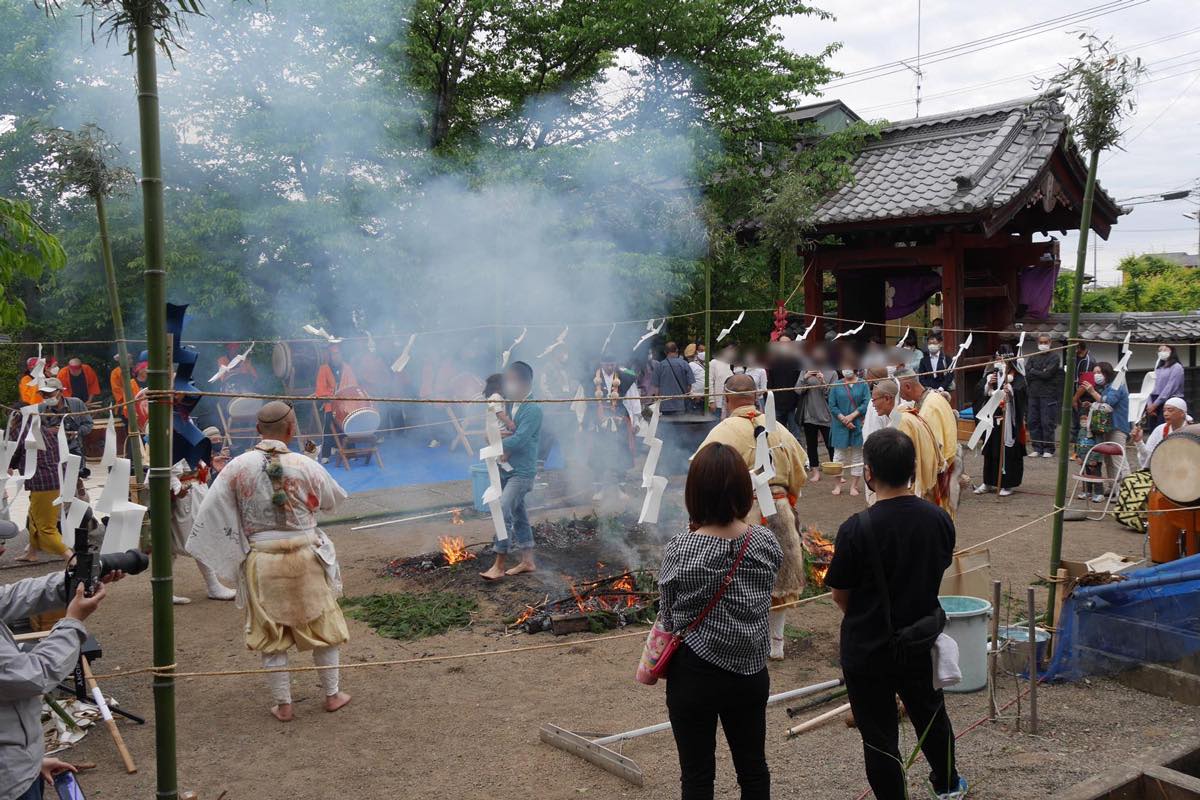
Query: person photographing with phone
(26, 675)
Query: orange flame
(454, 549)
(456, 516)
(820, 552)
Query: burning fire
(605, 594)
(454, 549)
(456, 516)
(820, 552)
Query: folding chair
(465, 426)
(1100, 450)
(240, 420)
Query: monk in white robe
(188, 488)
(905, 419)
(791, 464)
(257, 527)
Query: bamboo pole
(819, 720)
(114, 308)
(109, 722)
(1033, 663)
(993, 651)
(1064, 425)
(161, 582)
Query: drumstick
(109, 722)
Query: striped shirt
(45, 477)
(734, 634)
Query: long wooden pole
(109, 722)
(114, 308)
(159, 373)
(994, 651)
(1064, 424)
(1033, 663)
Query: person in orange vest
(79, 380)
(334, 376)
(28, 387)
(116, 381)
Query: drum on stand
(1175, 466)
(355, 415)
(296, 364)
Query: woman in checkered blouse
(720, 671)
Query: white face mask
(1043, 347)
(1163, 355)
(1099, 379)
(847, 373)
(999, 365)
(934, 349)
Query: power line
(1160, 115)
(986, 43)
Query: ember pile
(609, 602)
(818, 552)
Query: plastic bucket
(479, 484)
(1014, 647)
(967, 624)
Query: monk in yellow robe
(790, 462)
(934, 410)
(909, 422)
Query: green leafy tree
(27, 251)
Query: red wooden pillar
(814, 295)
(953, 307)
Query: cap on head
(1177, 403)
(689, 351)
(50, 386)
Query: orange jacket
(93, 383)
(328, 387)
(29, 391)
(117, 385)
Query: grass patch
(402, 615)
(794, 634)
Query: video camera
(88, 567)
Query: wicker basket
(833, 468)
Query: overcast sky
(1163, 140)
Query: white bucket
(967, 624)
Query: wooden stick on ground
(818, 720)
(109, 722)
(994, 650)
(1033, 664)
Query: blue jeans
(34, 792)
(516, 518)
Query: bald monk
(257, 528)
(906, 420)
(738, 430)
(934, 409)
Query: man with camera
(26, 675)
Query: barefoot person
(257, 528)
(739, 430)
(520, 453)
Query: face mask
(1163, 355)
(891, 371)
(1099, 380)
(999, 365)
(847, 373)
(1043, 347)
(934, 349)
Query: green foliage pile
(411, 616)
(1149, 283)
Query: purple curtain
(906, 292)
(1037, 289)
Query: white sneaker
(1097, 498)
(1047, 455)
(1006, 492)
(958, 793)
(1082, 496)
(176, 600)
(982, 488)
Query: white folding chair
(1120, 461)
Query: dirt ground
(468, 728)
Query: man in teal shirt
(520, 454)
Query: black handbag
(912, 641)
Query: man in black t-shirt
(915, 541)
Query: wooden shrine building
(951, 204)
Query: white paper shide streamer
(726, 331)
(985, 419)
(233, 364)
(490, 455)
(761, 474)
(558, 342)
(652, 330)
(654, 485)
(808, 330)
(507, 354)
(1123, 364)
(405, 355)
(852, 331)
(962, 348)
(313, 330)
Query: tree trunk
(1064, 426)
(155, 277)
(114, 308)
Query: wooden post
(109, 722)
(953, 306)
(993, 653)
(1033, 664)
(1060, 580)
(814, 297)
(818, 721)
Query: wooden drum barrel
(1175, 468)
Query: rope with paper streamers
(167, 395)
(170, 670)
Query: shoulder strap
(864, 523)
(728, 579)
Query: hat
(141, 365)
(211, 431)
(689, 351)
(50, 385)
(1177, 402)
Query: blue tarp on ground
(1152, 618)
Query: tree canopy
(1149, 283)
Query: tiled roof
(963, 162)
(1147, 326)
